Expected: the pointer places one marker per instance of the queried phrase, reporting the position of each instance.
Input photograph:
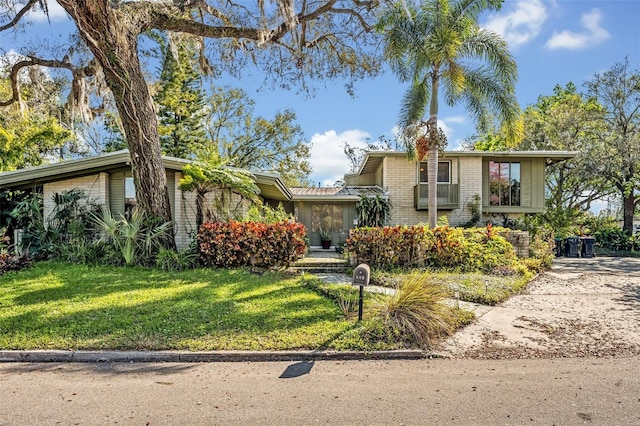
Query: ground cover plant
(488, 289)
(61, 306)
(416, 314)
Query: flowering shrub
(232, 244)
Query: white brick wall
(400, 177)
(96, 187)
(470, 185)
(184, 216)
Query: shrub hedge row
(234, 244)
(417, 246)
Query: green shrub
(232, 244)
(448, 248)
(534, 265)
(612, 237)
(266, 214)
(134, 241)
(416, 312)
(417, 246)
(541, 249)
(171, 260)
(373, 211)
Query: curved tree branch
(27, 7)
(164, 17)
(77, 72)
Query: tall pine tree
(180, 99)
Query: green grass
(472, 287)
(62, 306)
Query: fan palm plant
(215, 175)
(136, 240)
(437, 45)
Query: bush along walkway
(340, 278)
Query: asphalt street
(419, 392)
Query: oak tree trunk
(113, 39)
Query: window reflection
(504, 183)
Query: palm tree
(212, 175)
(438, 44)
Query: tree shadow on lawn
(89, 282)
(262, 315)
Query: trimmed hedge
(417, 246)
(233, 244)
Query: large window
(444, 172)
(327, 217)
(504, 184)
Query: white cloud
(327, 156)
(521, 24)
(593, 34)
(447, 124)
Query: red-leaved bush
(397, 246)
(13, 262)
(232, 244)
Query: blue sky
(553, 41)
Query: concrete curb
(213, 356)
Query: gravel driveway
(581, 308)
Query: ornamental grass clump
(416, 313)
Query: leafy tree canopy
(618, 150)
(294, 43)
(29, 135)
(256, 143)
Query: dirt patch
(561, 314)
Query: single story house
(499, 184)
(107, 180)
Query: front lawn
(61, 306)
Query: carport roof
(346, 193)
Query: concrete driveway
(580, 308)
(598, 265)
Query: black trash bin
(587, 246)
(559, 247)
(572, 247)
